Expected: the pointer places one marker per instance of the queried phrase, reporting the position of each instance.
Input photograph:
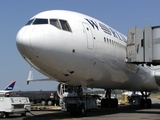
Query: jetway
(143, 45)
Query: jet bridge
(143, 45)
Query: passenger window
(65, 25)
(55, 23)
(40, 21)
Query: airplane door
(89, 36)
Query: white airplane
(79, 50)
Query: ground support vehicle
(78, 105)
(12, 105)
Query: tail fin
(10, 86)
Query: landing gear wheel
(142, 103)
(146, 102)
(114, 102)
(105, 102)
(149, 103)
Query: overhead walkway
(143, 45)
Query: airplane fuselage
(76, 49)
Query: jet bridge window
(65, 25)
(40, 21)
(55, 22)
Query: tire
(104, 103)
(50, 102)
(81, 110)
(43, 102)
(72, 112)
(114, 102)
(1, 114)
(4, 115)
(142, 103)
(23, 114)
(148, 103)
(33, 102)
(73, 109)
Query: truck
(39, 97)
(13, 105)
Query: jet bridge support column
(143, 45)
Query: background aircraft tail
(10, 86)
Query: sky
(14, 14)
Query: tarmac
(123, 112)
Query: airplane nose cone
(30, 41)
(19, 40)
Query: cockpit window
(30, 22)
(65, 25)
(60, 24)
(40, 21)
(55, 22)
